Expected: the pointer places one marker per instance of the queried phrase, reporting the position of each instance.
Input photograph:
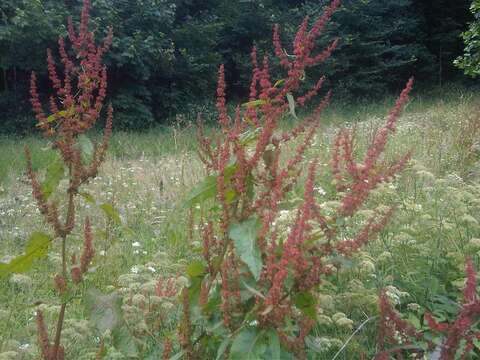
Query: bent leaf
(279, 83)
(111, 212)
(254, 103)
(248, 137)
(37, 248)
(88, 197)
(244, 236)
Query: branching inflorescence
(253, 179)
(78, 103)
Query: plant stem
(61, 316)
(58, 334)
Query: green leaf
(124, 341)
(306, 303)
(222, 348)
(249, 136)
(86, 147)
(254, 103)
(207, 189)
(51, 118)
(53, 176)
(273, 345)
(248, 344)
(54, 117)
(244, 236)
(88, 198)
(37, 248)
(291, 105)
(279, 82)
(195, 269)
(111, 212)
(415, 321)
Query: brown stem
(58, 334)
(68, 228)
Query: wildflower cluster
(263, 277)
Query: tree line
(165, 53)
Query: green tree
(27, 27)
(470, 61)
(379, 45)
(442, 24)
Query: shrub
(264, 276)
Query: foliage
(470, 61)
(164, 56)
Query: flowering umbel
(75, 108)
(258, 271)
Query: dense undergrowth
(290, 246)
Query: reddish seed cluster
(75, 111)
(357, 180)
(185, 327)
(252, 182)
(453, 333)
(48, 351)
(166, 287)
(76, 106)
(167, 349)
(391, 327)
(88, 252)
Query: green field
(419, 257)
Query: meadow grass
(419, 257)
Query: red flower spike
(88, 251)
(42, 332)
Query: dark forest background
(166, 53)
